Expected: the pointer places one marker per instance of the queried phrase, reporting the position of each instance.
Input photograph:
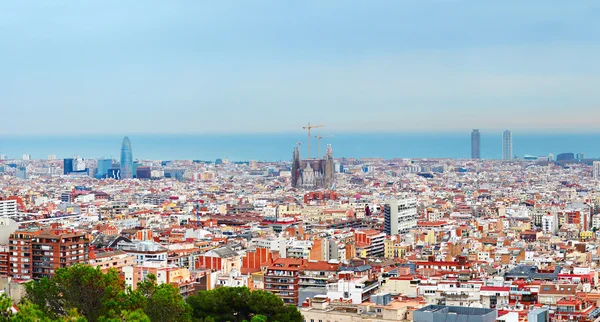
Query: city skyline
(444, 65)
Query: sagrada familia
(313, 173)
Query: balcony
(279, 287)
(370, 285)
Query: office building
(126, 159)
(143, 172)
(507, 151)
(580, 156)
(78, 164)
(104, 165)
(400, 216)
(475, 144)
(21, 173)
(8, 208)
(51, 157)
(568, 156)
(67, 166)
(114, 173)
(596, 170)
(38, 254)
(2, 156)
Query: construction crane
(318, 137)
(308, 127)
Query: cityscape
(339, 238)
(310, 161)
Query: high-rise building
(51, 157)
(475, 144)
(103, 166)
(400, 216)
(144, 172)
(78, 164)
(507, 151)
(126, 159)
(26, 157)
(38, 254)
(596, 170)
(67, 166)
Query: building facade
(400, 216)
(313, 173)
(475, 144)
(596, 170)
(126, 159)
(507, 148)
(38, 254)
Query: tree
(259, 318)
(126, 316)
(161, 302)
(80, 287)
(5, 307)
(239, 304)
(28, 312)
(44, 294)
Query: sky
(263, 66)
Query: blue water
(275, 147)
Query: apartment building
(107, 260)
(145, 251)
(369, 243)
(286, 276)
(37, 254)
(8, 208)
(179, 277)
(282, 279)
(400, 216)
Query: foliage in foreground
(82, 293)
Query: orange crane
(319, 143)
(308, 127)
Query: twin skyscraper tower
(507, 148)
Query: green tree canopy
(239, 304)
(80, 287)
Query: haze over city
(265, 66)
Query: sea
(279, 146)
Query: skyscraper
(67, 166)
(596, 170)
(126, 159)
(475, 144)
(507, 153)
(103, 166)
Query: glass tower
(507, 145)
(475, 144)
(126, 160)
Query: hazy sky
(267, 66)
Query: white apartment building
(357, 290)
(278, 245)
(596, 170)
(550, 223)
(8, 208)
(400, 216)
